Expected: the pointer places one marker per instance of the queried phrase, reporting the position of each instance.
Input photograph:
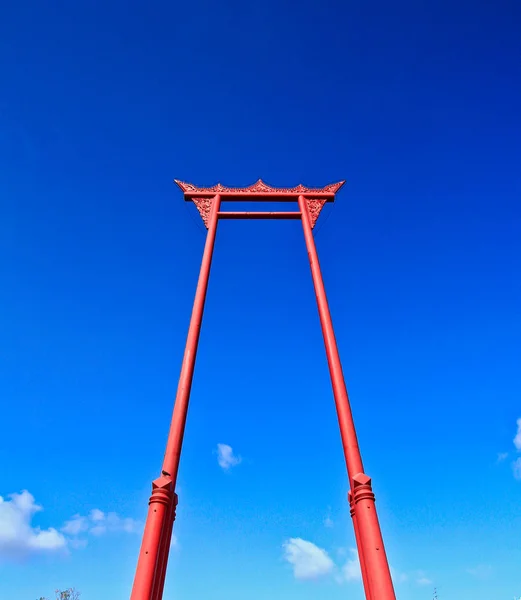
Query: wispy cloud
(501, 456)
(226, 457)
(350, 571)
(19, 538)
(328, 522)
(98, 523)
(399, 577)
(422, 579)
(516, 464)
(516, 468)
(174, 542)
(517, 439)
(481, 571)
(308, 560)
(75, 525)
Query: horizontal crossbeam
(258, 215)
(262, 197)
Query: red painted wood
(258, 215)
(153, 557)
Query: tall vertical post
(164, 549)
(361, 557)
(371, 550)
(148, 566)
(177, 427)
(153, 556)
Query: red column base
(371, 543)
(151, 556)
(164, 549)
(361, 558)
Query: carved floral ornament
(314, 208)
(204, 206)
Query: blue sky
(416, 105)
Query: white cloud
(351, 569)
(226, 458)
(311, 562)
(516, 467)
(517, 439)
(174, 542)
(328, 522)
(97, 515)
(481, 571)
(398, 577)
(308, 561)
(98, 523)
(18, 538)
(422, 579)
(98, 530)
(76, 525)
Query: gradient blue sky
(416, 104)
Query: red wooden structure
(153, 557)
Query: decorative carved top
(259, 188)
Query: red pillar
(377, 567)
(147, 571)
(164, 549)
(361, 558)
(177, 427)
(153, 556)
(379, 584)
